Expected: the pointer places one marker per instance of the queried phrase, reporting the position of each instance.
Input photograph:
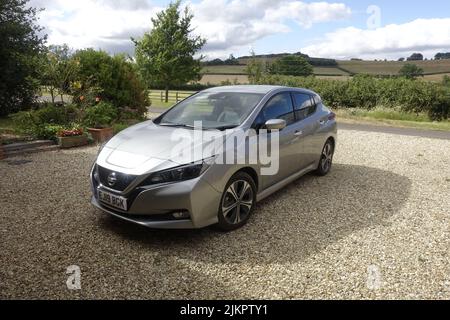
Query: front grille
(122, 180)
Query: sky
(367, 29)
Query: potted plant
(69, 138)
(99, 119)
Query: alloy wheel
(327, 157)
(237, 202)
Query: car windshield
(216, 110)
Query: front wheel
(326, 159)
(237, 203)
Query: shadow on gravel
(299, 220)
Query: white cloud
(228, 25)
(231, 25)
(104, 24)
(391, 41)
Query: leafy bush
(111, 79)
(367, 92)
(117, 127)
(128, 115)
(45, 122)
(411, 71)
(47, 131)
(101, 115)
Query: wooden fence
(174, 96)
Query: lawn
(393, 118)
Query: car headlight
(182, 173)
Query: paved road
(434, 134)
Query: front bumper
(153, 206)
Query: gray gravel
(377, 227)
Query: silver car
(143, 174)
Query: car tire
(237, 202)
(326, 159)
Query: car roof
(264, 89)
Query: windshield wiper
(178, 125)
(222, 128)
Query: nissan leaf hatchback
(171, 172)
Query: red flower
(70, 133)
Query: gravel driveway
(377, 227)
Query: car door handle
(298, 133)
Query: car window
(279, 107)
(304, 105)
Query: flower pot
(101, 135)
(72, 141)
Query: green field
(393, 67)
(224, 69)
(434, 70)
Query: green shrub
(129, 115)
(47, 131)
(112, 79)
(100, 116)
(413, 96)
(43, 123)
(117, 127)
(291, 65)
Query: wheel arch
(252, 173)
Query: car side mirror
(275, 124)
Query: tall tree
(21, 43)
(165, 54)
(255, 68)
(58, 70)
(415, 57)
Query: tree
(415, 57)
(411, 71)
(59, 70)
(21, 44)
(442, 55)
(165, 55)
(291, 65)
(401, 59)
(254, 69)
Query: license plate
(113, 200)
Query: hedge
(368, 92)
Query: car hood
(147, 147)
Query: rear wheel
(326, 158)
(237, 203)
